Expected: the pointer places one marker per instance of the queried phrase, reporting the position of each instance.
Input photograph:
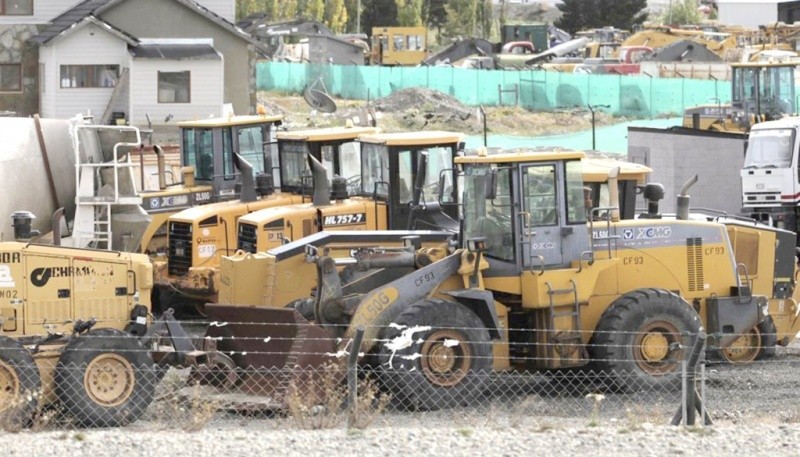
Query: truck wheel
(757, 344)
(632, 341)
(444, 364)
(105, 379)
(20, 384)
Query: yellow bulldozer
(535, 284)
(375, 192)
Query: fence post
(352, 375)
(690, 403)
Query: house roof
(69, 19)
(198, 51)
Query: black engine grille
(247, 239)
(180, 248)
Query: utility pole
(358, 17)
(592, 109)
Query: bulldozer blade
(276, 352)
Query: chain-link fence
(296, 376)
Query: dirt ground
(426, 109)
(419, 109)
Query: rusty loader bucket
(262, 355)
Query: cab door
(540, 216)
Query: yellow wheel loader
(208, 174)
(536, 284)
(198, 236)
(281, 277)
(376, 191)
(761, 91)
(70, 323)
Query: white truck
(770, 181)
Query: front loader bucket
(276, 352)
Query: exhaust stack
(682, 211)
(248, 179)
(162, 178)
(322, 188)
(613, 193)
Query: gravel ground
(755, 409)
(530, 439)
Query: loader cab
(530, 206)
(209, 145)
(336, 148)
(389, 165)
(762, 91)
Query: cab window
(540, 195)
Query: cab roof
(413, 138)
(327, 134)
(540, 155)
(230, 121)
(596, 169)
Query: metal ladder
(572, 336)
(93, 211)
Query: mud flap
(730, 317)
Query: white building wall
(43, 11)
(89, 45)
(748, 13)
(206, 84)
(224, 8)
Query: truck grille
(180, 248)
(247, 239)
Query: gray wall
(677, 155)
(160, 19)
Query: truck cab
(770, 180)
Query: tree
(287, 10)
(378, 13)
(409, 12)
(335, 15)
(484, 12)
(588, 14)
(315, 9)
(245, 8)
(461, 18)
(681, 12)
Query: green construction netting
(634, 96)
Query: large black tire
(432, 372)
(105, 378)
(757, 344)
(634, 340)
(20, 384)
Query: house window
(174, 87)
(73, 76)
(10, 77)
(16, 7)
